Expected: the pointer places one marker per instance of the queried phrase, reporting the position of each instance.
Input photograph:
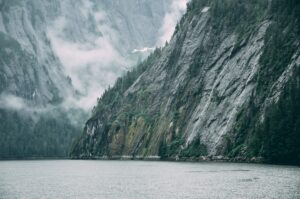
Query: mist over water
(136, 179)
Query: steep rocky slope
(24, 46)
(33, 85)
(208, 91)
(41, 106)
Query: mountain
(52, 53)
(225, 87)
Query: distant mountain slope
(50, 54)
(33, 84)
(214, 90)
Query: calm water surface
(137, 180)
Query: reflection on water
(138, 179)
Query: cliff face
(29, 68)
(226, 59)
(39, 113)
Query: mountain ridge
(193, 97)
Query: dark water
(136, 179)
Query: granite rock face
(30, 69)
(187, 98)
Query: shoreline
(34, 158)
(258, 160)
(202, 159)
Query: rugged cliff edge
(227, 84)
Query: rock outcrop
(227, 61)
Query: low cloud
(84, 61)
(93, 62)
(87, 47)
(143, 50)
(177, 8)
(11, 102)
(90, 54)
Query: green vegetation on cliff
(24, 135)
(276, 138)
(175, 103)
